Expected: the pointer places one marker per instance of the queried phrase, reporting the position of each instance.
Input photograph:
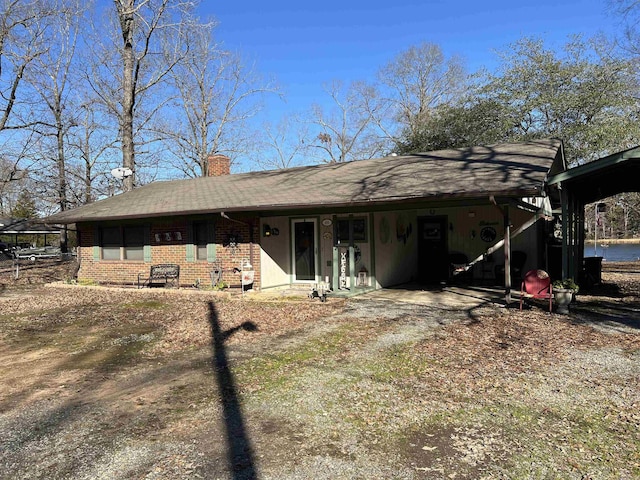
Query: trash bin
(593, 270)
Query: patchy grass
(146, 304)
(100, 383)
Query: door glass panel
(304, 250)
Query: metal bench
(163, 275)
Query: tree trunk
(128, 90)
(62, 173)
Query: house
(430, 217)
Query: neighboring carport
(588, 183)
(13, 228)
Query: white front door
(304, 250)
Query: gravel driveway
(106, 383)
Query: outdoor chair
(459, 267)
(518, 260)
(536, 284)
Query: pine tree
(25, 206)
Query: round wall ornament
(488, 234)
(327, 222)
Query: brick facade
(168, 244)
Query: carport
(13, 228)
(588, 183)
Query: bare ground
(113, 383)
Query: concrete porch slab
(446, 295)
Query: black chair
(459, 267)
(518, 259)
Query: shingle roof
(516, 169)
(11, 226)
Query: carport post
(507, 254)
(335, 264)
(565, 232)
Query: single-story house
(429, 217)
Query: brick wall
(218, 165)
(169, 238)
(230, 256)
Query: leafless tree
(126, 69)
(23, 25)
(51, 77)
(416, 81)
(216, 96)
(23, 29)
(94, 149)
(12, 181)
(346, 129)
(284, 144)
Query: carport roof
(503, 170)
(25, 226)
(602, 178)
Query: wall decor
(488, 234)
(403, 228)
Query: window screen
(111, 243)
(133, 243)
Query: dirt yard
(102, 383)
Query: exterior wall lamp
(267, 231)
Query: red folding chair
(536, 284)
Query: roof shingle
(517, 169)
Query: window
(111, 243)
(359, 230)
(122, 243)
(200, 237)
(133, 243)
(200, 246)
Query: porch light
(266, 230)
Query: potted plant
(563, 292)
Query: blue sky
(306, 44)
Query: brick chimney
(218, 165)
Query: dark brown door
(433, 264)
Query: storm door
(305, 250)
(433, 264)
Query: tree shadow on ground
(609, 314)
(239, 450)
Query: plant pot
(563, 297)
